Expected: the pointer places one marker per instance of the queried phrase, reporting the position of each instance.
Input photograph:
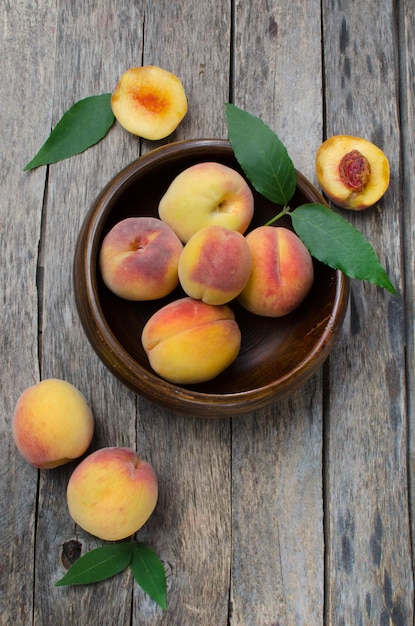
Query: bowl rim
(131, 373)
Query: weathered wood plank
(278, 564)
(25, 69)
(407, 94)
(369, 565)
(277, 73)
(278, 574)
(242, 502)
(191, 528)
(90, 60)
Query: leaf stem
(285, 211)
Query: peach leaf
(106, 561)
(262, 156)
(338, 244)
(98, 564)
(82, 126)
(148, 572)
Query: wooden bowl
(277, 355)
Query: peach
(205, 194)
(112, 493)
(188, 341)
(352, 172)
(139, 259)
(282, 272)
(52, 424)
(215, 265)
(149, 102)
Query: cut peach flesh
(328, 159)
(149, 102)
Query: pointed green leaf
(83, 125)
(149, 573)
(98, 564)
(337, 243)
(262, 156)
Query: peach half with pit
(112, 493)
(215, 265)
(188, 341)
(282, 272)
(52, 424)
(149, 101)
(139, 259)
(206, 194)
(352, 171)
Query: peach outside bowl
(277, 355)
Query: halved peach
(149, 101)
(352, 172)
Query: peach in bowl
(276, 354)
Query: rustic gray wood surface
(298, 514)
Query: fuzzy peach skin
(188, 341)
(52, 424)
(139, 259)
(149, 102)
(215, 265)
(112, 493)
(206, 194)
(352, 172)
(282, 272)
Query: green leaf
(83, 125)
(262, 156)
(98, 564)
(337, 243)
(149, 573)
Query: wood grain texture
(89, 62)
(298, 514)
(25, 71)
(278, 72)
(193, 40)
(278, 574)
(278, 546)
(191, 530)
(407, 95)
(368, 549)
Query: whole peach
(112, 493)
(282, 272)
(205, 194)
(149, 101)
(352, 171)
(52, 424)
(215, 265)
(139, 258)
(188, 341)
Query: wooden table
(296, 514)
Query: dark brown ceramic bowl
(277, 355)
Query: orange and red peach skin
(112, 493)
(207, 194)
(139, 259)
(215, 265)
(189, 341)
(282, 272)
(52, 424)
